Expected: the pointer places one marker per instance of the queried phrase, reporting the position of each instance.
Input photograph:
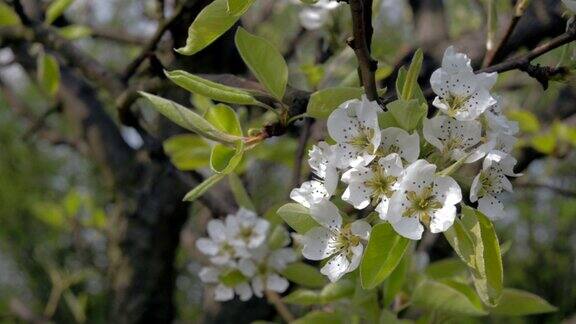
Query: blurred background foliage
(54, 206)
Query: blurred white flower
(225, 290)
(263, 268)
(316, 15)
(491, 182)
(423, 197)
(460, 93)
(354, 126)
(246, 229)
(219, 244)
(454, 138)
(374, 183)
(342, 244)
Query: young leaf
(238, 7)
(8, 16)
(323, 102)
(239, 191)
(200, 189)
(56, 9)
(225, 119)
(304, 275)
(187, 151)
(207, 88)
(213, 21)
(408, 113)
(447, 296)
(298, 217)
(302, 297)
(411, 81)
(264, 60)
(188, 119)
(225, 159)
(516, 302)
(384, 252)
(451, 267)
(49, 74)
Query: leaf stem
(283, 311)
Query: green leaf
(318, 317)
(527, 121)
(225, 159)
(297, 217)
(461, 242)
(200, 189)
(213, 21)
(188, 119)
(187, 151)
(411, 81)
(225, 119)
(446, 268)
(408, 113)
(264, 60)
(278, 238)
(207, 88)
(393, 285)
(387, 317)
(73, 32)
(383, 253)
(238, 7)
(447, 296)
(56, 9)
(516, 302)
(239, 192)
(48, 74)
(304, 275)
(487, 271)
(232, 277)
(302, 297)
(323, 102)
(386, 119)
(8, 17)
(337, 290)
(544, 143)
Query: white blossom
(342, 244)
(500, 131)
(263, 268)
(354, 126)
(219, 244)
(423, 197)
(225, 291)
(454, 138)
(491, 182)
(309, 193)
(461, 93)
(374, 183)
(397, 140)
(246, 229)
(316, 15)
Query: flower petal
(207, 246)
(336, 267)
(216, 230)
(326, 214)
(223, 293)
(491, 206)
(276, 283)
(447, 190)
(409, 227)
(244, 291)
(318, 244)
(442, 219)
(361, 228)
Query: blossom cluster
(242, 261)
(405, 177)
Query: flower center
(422, 205)
(363, 140)
(345, 240)
(380, 183)
(246, 233)
(455, 103)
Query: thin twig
(283, 311)
(151, 46)
(494, 55)
(300, 152)
(360, 42)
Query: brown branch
(360, 42)
(151, 46)
(494, 55)
(117, 36)
(301, 152)
(283, 311)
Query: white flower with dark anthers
(423, 197)
(342, 244)
(219, 244)
(491, 182)
(354, 126)
(263, 267)
(246, 229)
(397, 140)
(459, 92)
(374, 183)
(310, 193)
(323, 162)
(496, 122)
(225, 291)
(454, 138)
